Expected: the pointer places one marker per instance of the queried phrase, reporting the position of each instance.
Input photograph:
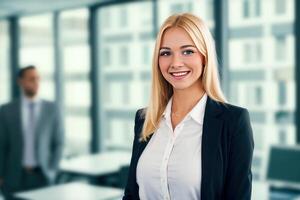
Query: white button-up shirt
(170, 165)
(29, 137)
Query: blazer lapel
(41, 119)
(212, 127)
(18, 117)
(17, 129)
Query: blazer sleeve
(2, 143)
(57, 141)
(131, 185)
(239, 177)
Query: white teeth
(179, 73)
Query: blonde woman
(189, 144)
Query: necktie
(31, 119)
(30, 137)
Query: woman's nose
(176, 61)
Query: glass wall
(261, 56)
(76, 69)
(203, 9)
(36, 48)
(125, 48)
(4, 63)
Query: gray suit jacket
(49, 141)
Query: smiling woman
(179, 59)
(189, 143)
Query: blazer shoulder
(232, 111)
(48, 103)
(10, 105)
(139, 121)
(236, 118)
(140, 115)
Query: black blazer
(227, 149)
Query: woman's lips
(179, 75)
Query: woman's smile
(180, 75)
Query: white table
(96, 164)
(78, 191)
(260, 191)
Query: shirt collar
(26, 100)
(167, 112)
(197, 113)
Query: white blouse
(170, 165)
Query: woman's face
(180, 62)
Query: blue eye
(165, 53)
(188, 52)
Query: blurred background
(95, 56)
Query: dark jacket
(48, 143)
(227, 149)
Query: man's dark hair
(23, 70)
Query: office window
(105, 19)
(234, 97)
(106, 56)
(177, 8)
(122, 126)
(126, 93)
(252, 51)
(258, 95)
(259, 135)
(280, 48)
(280, 7)
(251, 8)
(123, 17)
(146, 54)
(78, 126)
(130, 53)
(257, 8)
(36, 48)
(247, 53)
(124, 56)
(254, 95)
(209, 10)
(282, 93)
(147, 90)
(203, 9)
(5, 95)
(246, 9)
(264, 86)
(146, 20)
(259, 52)
(77, 89)
(282, 137)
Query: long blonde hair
(161, 90)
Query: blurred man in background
(31, 138)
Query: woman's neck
(184, 100)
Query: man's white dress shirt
(29, 123)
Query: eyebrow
(182, 47)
